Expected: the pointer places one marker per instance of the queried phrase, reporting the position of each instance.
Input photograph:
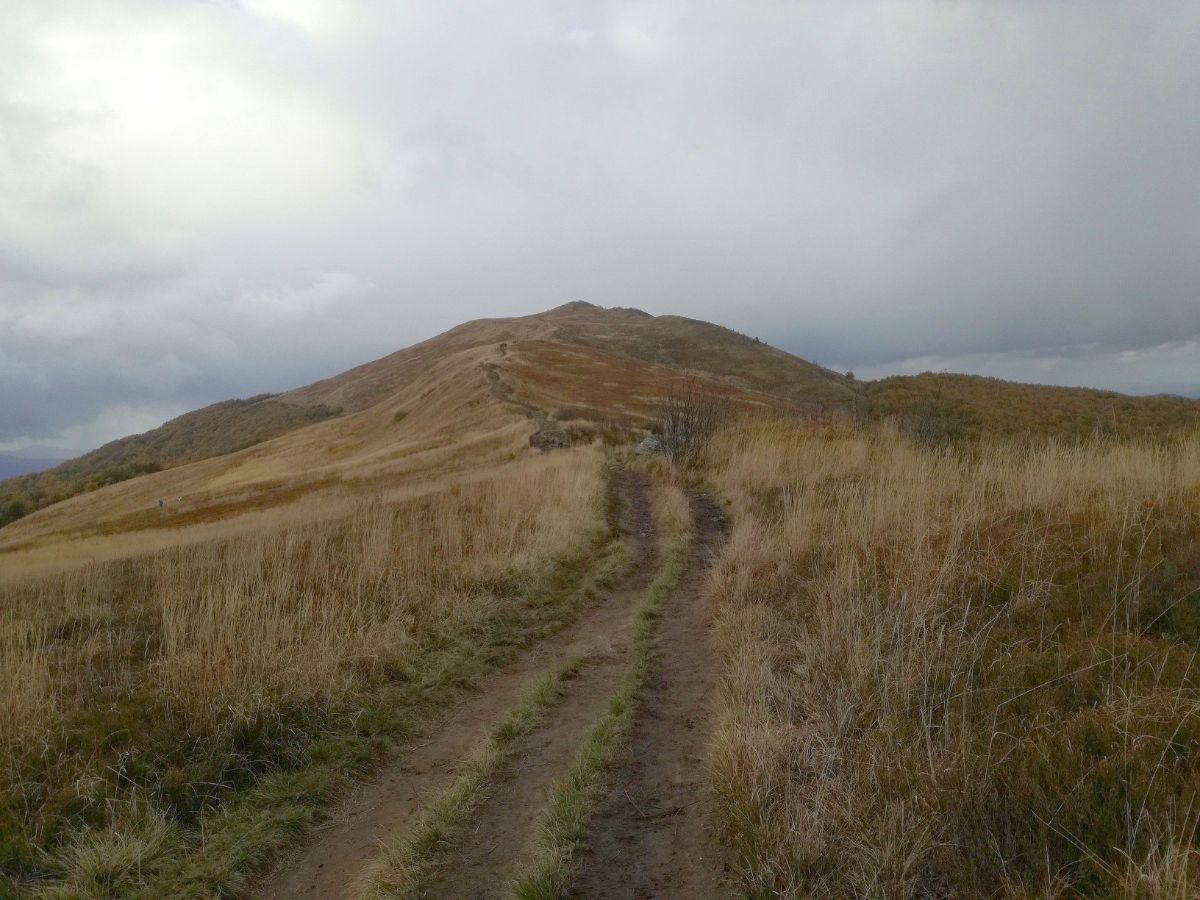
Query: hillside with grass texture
(430, 628)
(212, 431)
(572, 372)
(604, 368)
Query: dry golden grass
(613, 364)
(453, 428)
(953, 673)
(957, 676)
(214, 430)
(139, 695)
(281, 507)
(972, 406)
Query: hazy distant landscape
(11, 466)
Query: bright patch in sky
(178, 135)
(319, 17)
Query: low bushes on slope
(938, 407)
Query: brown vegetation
(607, 371)
(972, 407)
(957, 656)
(615, 364)
(690, 418)
(959, 675)
(213, 431)
(140, 695)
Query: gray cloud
(207, 199)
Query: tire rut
(507, 821)
(331, 866)
(655, 834)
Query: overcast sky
(202, 199)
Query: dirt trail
(654, 836)
(507, 822)
(330, 866)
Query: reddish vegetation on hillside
(949, 657)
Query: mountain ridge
(572, 370)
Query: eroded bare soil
(655, 835)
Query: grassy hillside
(510, 365)
(593, 369)
(451, 427)
(664, 342)
(569, 373)
(142, 699)
(212, 431)
(694, 346)
(971, 406)
(967, 671)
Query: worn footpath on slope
(655, 835)
(333, 863)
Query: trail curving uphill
(334, 863)
(655, 836)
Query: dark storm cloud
(200, 200)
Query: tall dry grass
(959, 674)
(166, 681)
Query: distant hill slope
(212, 431)
(972, 406)
(486, 390)
(473, 384)
(667, 341)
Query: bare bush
(932, 425)
(690, 417)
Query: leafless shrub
(690, 417)
(932, 425)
